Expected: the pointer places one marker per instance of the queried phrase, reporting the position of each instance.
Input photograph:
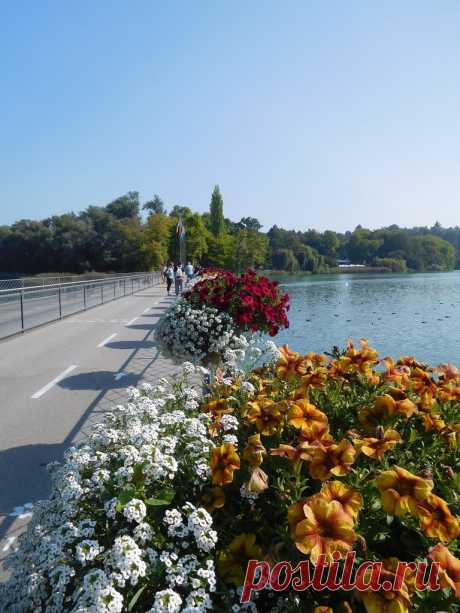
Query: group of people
(174, 273)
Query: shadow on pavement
(98, 380)
(149, 327)
(130, 345)
(24, 478)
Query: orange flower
(306, 417)
(224, 461)
(267, 415)
(390, 601)
(449, 568)
(213, 499)
(254, 451)
(451, 434)
(383, 408)
(336, 459)
(433, 422)
(402, 491)
(376, 447)
(436, 520)
(290, 364)
(396, 373)
(350, 499)
(217, 407)
(325, 528)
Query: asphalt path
(42, 305)
(56, 380)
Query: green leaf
(123, 499)
(162, 498)
(136, 597)
(413, 436)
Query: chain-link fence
(26, 306)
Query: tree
(249, 249)
(125, 206)
(216, 208)
(284, 259)
(250, 223)
(155, 206)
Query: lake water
(400, 314)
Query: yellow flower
(376, 447)
(402, 491)
(350, 499)
(290, 364)
(232, 562)
(335, 459)
(451, 434)
(267, 415)
(449, 566)
(325, 528)
(436, 520)
(306, 417)
(254, 451)
(217, 407)
(213, 499)
(389, 601)
(383, 408)
(224, 461)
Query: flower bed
(307, 458)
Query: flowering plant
(194, 332)
(254, 302)
(341, 454)
(303, 458)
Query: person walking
(178, 279)
(169, 274)
(189, 272)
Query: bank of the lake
(398, 313)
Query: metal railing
(57, 279)
(25, 308)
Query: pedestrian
(178, 278)
(189, 271)
(169, 274)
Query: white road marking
(106, 340)
(117, 376)
(49, 385)
(146, 310)
(132, 321)
(8, 543)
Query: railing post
(102, 293)
(84, 297)
(114, 290)
(132, 286)
(124, 286)
(22, 310)
(60, 303)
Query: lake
(400, 314)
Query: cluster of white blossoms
(111, 531)
(122, 529)
(193, 333)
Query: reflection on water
(400, 314)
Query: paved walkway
(56, 380)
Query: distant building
(348, 264)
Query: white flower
(166, 601)
(135, 510)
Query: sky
(308, 114)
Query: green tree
(249, 249)
(155, 206)
(125, 207)
(216, 209)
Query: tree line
(118, 238)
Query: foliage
(304, 458)
(115, 238)
(334, 454)
(253, 301)
(216, 220)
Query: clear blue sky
(320, 114)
